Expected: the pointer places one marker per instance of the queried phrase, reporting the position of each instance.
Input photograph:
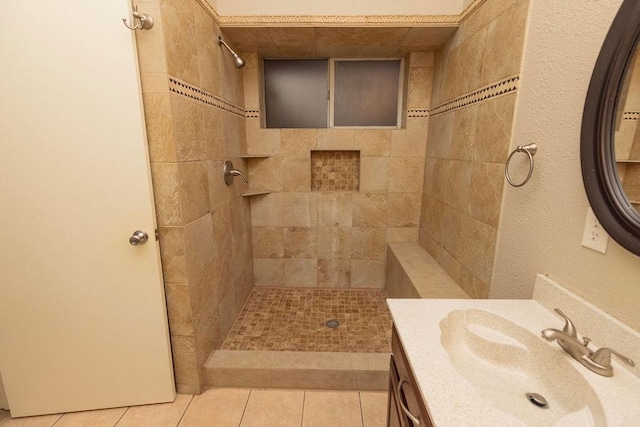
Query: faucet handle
(230, 172)
(603, 357)
(569, 327)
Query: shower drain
(537, 400)
(333, 323)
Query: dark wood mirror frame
(597, 148)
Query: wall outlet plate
(594, 237)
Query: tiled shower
(436, 181)
(306, 237)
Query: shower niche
(335, 170)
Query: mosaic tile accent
(503, 87)
(335, 170)
(185, 89)
(293, 319)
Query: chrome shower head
(239, 62)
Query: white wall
(338, 7)
(542, 222)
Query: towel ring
(530, 149)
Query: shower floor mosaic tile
(293, 319)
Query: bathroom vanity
(405, 405)
(484, 362)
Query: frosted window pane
(296, 93)
(366, 93)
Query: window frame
(402, 92)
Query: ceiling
(355, 42)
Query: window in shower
(295, 93)
(321, 93)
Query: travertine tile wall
(205, 230)
(334, 239)
(467, 147)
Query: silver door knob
(139, 237)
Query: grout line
(244, 410)
(59, 418)
(185, 411)
(304, 398)
(125, 411)
(361, 409)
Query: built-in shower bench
(413, 273)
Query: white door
(82, 313)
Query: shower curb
(298, 370)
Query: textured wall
(474, 95)
(542, 222)
(335, 239)
(205, 233)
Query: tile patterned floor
(232, 407)
(293, 319)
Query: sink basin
(504, 362)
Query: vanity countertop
(453, 400)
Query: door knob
(139, 237)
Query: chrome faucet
(598, 361)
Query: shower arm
(237, 59)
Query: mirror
(626, 134)
(610, 139)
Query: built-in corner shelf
(255, 156)
(255, 193)
(627, 161)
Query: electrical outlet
(594, 236)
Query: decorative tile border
(185, 89)
(340, 19)
(413, 112)
(418, 112)
(503, 87)
(207, 7)
(346, 20)
(630, 115)
(470, 9)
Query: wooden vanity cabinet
(404, 401)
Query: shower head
(236, 58)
